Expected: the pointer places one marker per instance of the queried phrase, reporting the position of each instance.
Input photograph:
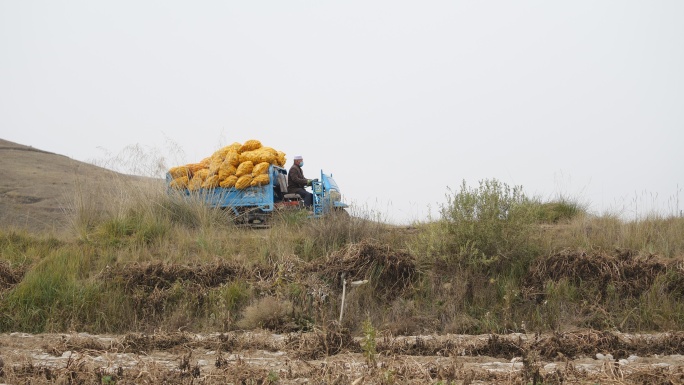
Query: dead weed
(390, 271)
(628, 273)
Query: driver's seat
(282, 183)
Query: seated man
(296, 182)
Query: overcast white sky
(398, 99)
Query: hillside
(39, 188)
(500, 288)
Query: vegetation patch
(624, 273)
(160, 275)
(323, 343)
(389, 271)
(10, 276)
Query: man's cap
(298, 157)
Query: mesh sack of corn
(243, 182)
(245, 168)
(195, 183)
(269, 155)
(215, 165)
(223, 151)
(229, 182)
(264, 154)
(211, 182)
(202, 174)
(226, 170)
(180, 183)
(261, 168)
(235, 147)
(250, 145)
(228, 152)
(232, 158)
(194, 167)
(228, 161)
(180, 171)
(280, 159)
(260, 180)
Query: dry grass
(267, 312)
(651, 235)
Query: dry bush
(76, 344)
(160, 275)
(9, 275)
(403, 318)
(582, 343)
(243, 373)
(622, 290)
(337, 229)
(627, 273)
(461, 323)
(175, 295)
(390, 271)
(322, 343)
(267, 313)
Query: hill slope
(38, 188)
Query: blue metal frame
(317, 189)
(329, 185)
(258, 197)
(322, 199)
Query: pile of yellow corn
(237, 165)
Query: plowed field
(333, 357)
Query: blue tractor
(254, 206)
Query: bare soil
(586, 357)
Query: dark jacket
(295, 179)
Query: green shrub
(490, 224)
(223, 302)
(368, 343)
(558, 210)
